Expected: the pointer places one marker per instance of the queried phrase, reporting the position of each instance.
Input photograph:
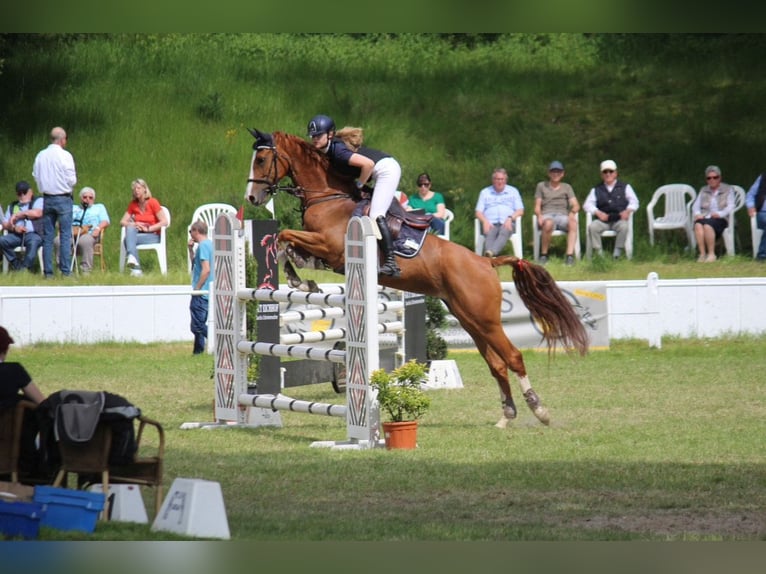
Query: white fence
(635, 309)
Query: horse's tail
(553, 312)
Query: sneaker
(136, 272)
(543, 259)
(570, 260)
(132, 261)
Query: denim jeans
(31, 242)
(760, 222)
(57, 208)
(198, 308)
(134, 238)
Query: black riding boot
(389, 266)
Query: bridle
(272, 181)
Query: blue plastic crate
(66, 509)
(20, 519)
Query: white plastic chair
(207, 213)
(677, 210)
(478, 238)
(609, 233)
(20, 253)
(537, 233)
(756, 235)
(728, 233)
(448, 217)
(160, 248)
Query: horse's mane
(311, 153)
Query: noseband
(271, 183)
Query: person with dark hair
(429, 201)
(55, 173)
(610, 203)
(755, 201)
(556, 207)
(350, 158)
(710, 213)
(23, 222)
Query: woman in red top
(142, 222)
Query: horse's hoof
(533, 402)
(509, 412)
(313, 287)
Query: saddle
(408, 228)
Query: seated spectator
(431, 202)
(556, 207)
(89, 219)
(15, 385)
(710, 213)
(610, 203)
(498, 208)
(756, 206)
(143, 222)
(24, 224)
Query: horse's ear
(261, 139)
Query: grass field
(644, 444)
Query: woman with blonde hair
(143, 221)
(350, 157)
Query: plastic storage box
(66, 509)
(20, 519)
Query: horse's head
(266, 169)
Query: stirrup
(389, 269)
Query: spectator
(15, 385)
(610, 204)
(55, 173)
(202, 278)
(89, 221)
(498, 208)
(710, 213)
(556, 207)
(23, 222)
(354, 160)
(143, 222)
(754, 201)
(429, 201)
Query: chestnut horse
(466, 282)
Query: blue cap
(556, 165)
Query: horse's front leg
(293, 279)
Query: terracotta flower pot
(401, 434)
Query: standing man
(56, 176)
(610, 204)
(556, 207)
(498, 208)
(202, 278)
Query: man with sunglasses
(23, 224)
(710, 213)
(611, 204)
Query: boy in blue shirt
(202, 277)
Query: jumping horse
(466, 282)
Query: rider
(349, 157)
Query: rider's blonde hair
(352, 137)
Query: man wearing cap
(611, 204)
(555, 208)
(56, 177)
(22, 223)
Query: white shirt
(54, 171)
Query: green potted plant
(401, 398)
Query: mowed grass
(648, 444)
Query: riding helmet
(320, 125)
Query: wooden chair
(92, 458)
(98, 250)
(11, 420)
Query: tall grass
(172, 109)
